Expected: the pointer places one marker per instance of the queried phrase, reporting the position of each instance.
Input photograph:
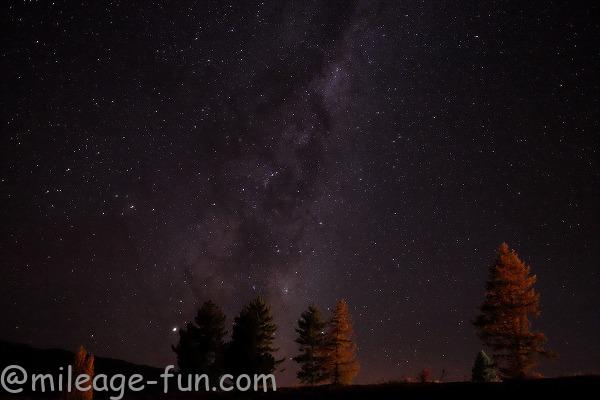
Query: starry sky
(158, 154)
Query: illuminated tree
(342, 363)
(503, 324)
(83, 365)
(313, 351)
(201, 345)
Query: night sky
(158, 154)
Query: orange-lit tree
(83, 365)
(503, 325)
(342, 363)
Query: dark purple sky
(157, 154)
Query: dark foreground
(49, 360)
(571, 388)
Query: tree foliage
(313, 350)
(484, 369)
(251, 348)
(83, 365)
(342, 363)
(503, 324)
(201, 344)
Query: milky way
(158, 154)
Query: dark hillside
(49, 360)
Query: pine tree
(503, 324)
(251, 348)
(186, 348)
(82, 365)
(313, 351)
(342, 363)
(484, 369)
(201, 345)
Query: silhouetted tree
(342, 364)
(186, 348)
(201, 344)
(82, 365)
(484, 369)
(251, 348)
(313, 351)
(503, 324)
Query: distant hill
(36, 360)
